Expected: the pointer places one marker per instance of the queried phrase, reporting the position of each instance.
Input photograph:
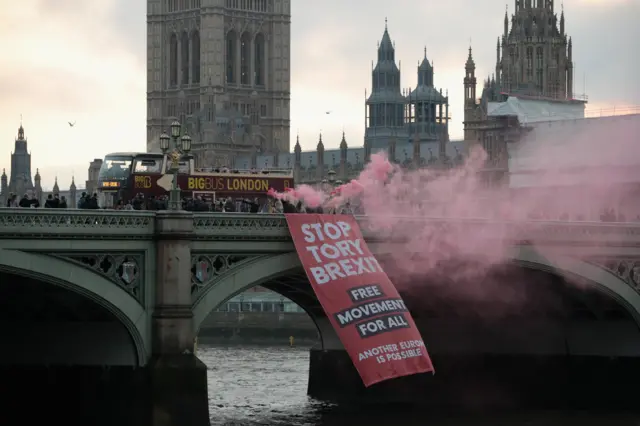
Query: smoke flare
(397, 201)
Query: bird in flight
(328, 112)
(71, 124)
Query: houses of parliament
(223, 68)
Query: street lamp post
(177, 151)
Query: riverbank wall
(258, 327)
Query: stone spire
(4, 188)
(38, 186)
(425, 72)
(320, 162)
(470, 65)
(71, 202)
(343, 142)
(506, 22)
(297, 159)
(320, 146)
(297, 148)
(56, 188)
(470, 82)
(343, 158)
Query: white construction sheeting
(577, 152)
(536, 110)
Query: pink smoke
(578, 181)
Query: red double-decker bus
(123, 175)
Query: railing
(270, 171)
(553, 116)
(582, 97)
(74, 223)
(612, 112)
(273, 227)
(126, 225)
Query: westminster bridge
(126, 292)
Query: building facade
(91, 184)
(222, 68)
(534, 54)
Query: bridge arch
(267, 268)
(602, 279)
(92, 286)
(262, 271)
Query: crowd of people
(245, 205)
(228, 205)
(53, 201)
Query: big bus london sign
(215, 183)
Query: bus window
(115, 168)
(148, 166)
(184, 166)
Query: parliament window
(539, 68)
(252, 5)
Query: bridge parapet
(273, 227)
(76, 224)
(528, 232)
(132, 225)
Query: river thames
(267, 385)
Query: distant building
(263, 301)
(20, 181)
(72, 195)
(411, 126)
(91, 184)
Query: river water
(267, 385)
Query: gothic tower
(222, 68)
(385, 106)
(4, 189)
(20, 181)
(428, 112)
(470, 99)
(534, 56)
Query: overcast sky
(84, 61)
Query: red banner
(364, 307)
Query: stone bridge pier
(178, 379)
